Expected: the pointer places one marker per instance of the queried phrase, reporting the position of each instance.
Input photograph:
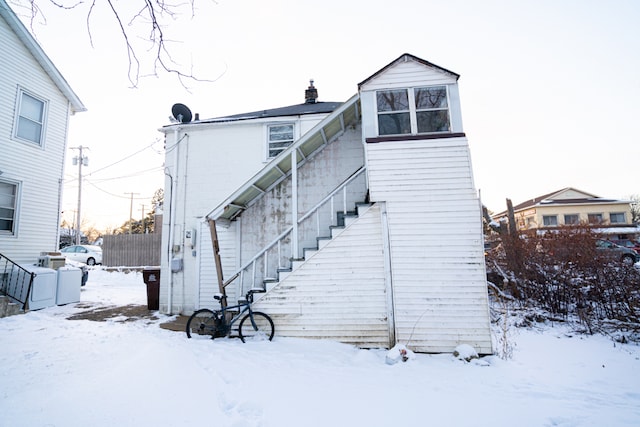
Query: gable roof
(553, 199)
(40, 56)
(403, 58)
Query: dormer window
(413, 111)
(279, 136)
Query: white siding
(213, 160)
(339, 293)
(437, 260)
(410, 73)
(39, 169)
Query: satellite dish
(181, 113)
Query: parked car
(631, 244)
(626, 255)
(87, 254)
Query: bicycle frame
(243, 308)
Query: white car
(88, 254)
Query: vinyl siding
(437, 262)
(339, 293)
(38, 169)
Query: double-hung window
(421, 110)
(550, 220)
(280, 136)
(594, 218)
(30, 122)
(571, 219)
(8, 207)
(616, 218)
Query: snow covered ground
(64, 373)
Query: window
(280, 137)
(550, 220)
(617, 218)
(432, 110)
(31, 117)
(413, 110)
(393, 112)
(595, 218)
(8, 206)
(571, 219)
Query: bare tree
(635, 208)
(143, 25)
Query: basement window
(423, 110)
(279, 138)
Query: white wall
(38, 169)
(209, 163)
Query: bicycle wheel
(260, 329)
(202, 323)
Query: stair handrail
(284, 234)
(341, 187)
(7, 278)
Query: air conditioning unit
(51, 261)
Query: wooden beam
(216, 257)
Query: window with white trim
(421, 110)
(30, 122)
(617, 218)
(279, 136)
(571, 219)
(8, 207)
(594, 218)
(550, 220)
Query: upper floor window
(413, 111)
(550, 220)
(8, 207)
(617, 218)
(571, 219)
(594, 218)
(31, 118)
(280, 137)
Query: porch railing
(277, 255)
(15, 281)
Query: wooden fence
(131, 250)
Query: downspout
(294, 204)
(172, 220)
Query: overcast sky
(550, 89)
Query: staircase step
(361, 208)
(309, 252)
(296, 263)
(282, 274)
(336, 230)
(322, 241)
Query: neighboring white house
(359, 218)
(35, 105)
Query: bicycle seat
(219, 296)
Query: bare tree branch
(152, 14)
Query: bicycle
(254, 325)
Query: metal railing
(15, 281)
(270, 260)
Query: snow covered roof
(40, 56)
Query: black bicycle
(254, 325)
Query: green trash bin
(151, 277)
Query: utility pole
(131, 211)
(79, 160)
(144, 225)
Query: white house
(360, 219)
(35, 105)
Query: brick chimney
(311, 94)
